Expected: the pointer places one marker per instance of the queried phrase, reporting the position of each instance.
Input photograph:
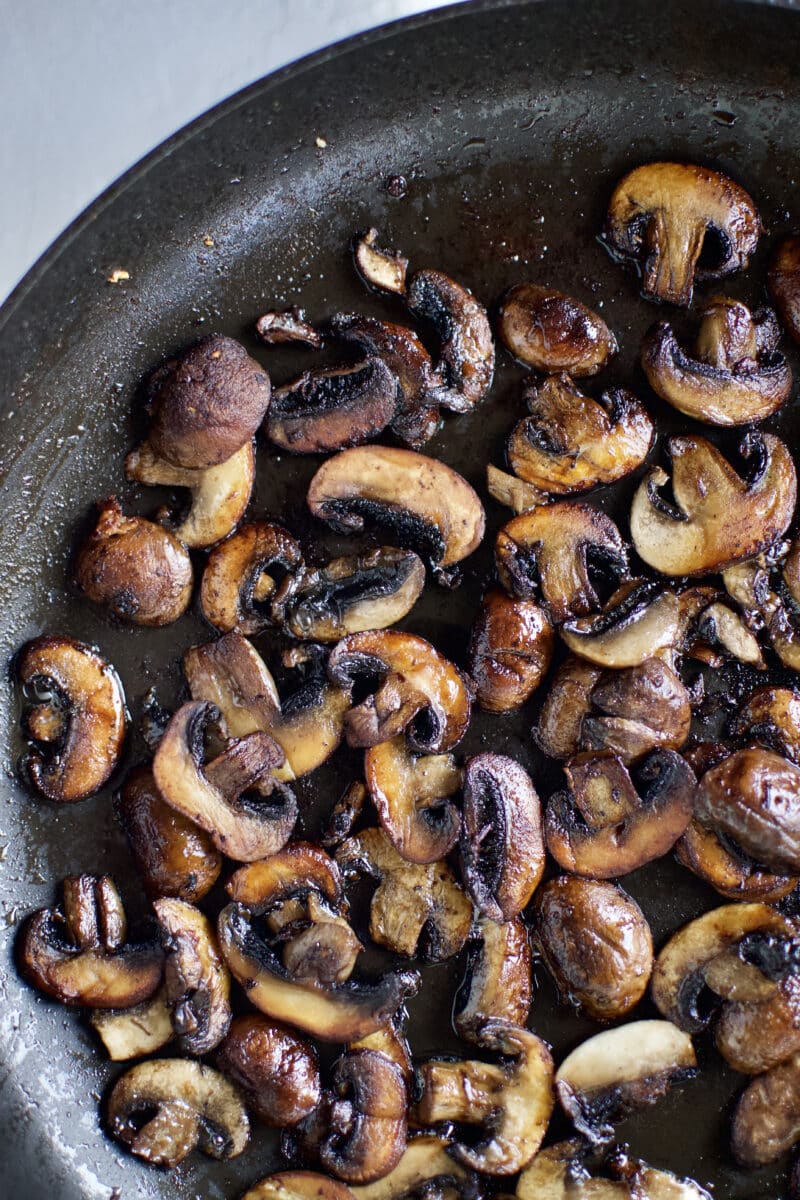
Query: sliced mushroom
(292, 873)
(766, 1123)
(219, 495)
(207, 403)
(411, 795)
(562, 1172)
(756, 1035)
(513, 1102)
(466, 352)
(290, 326)
(345, 814)
(606, 825)
(510, 651)
(163, 1109)
(389, 1041)
(718, 517)
(355, 593)
(196, 980)
(666, 215)
(425, 1164)
(413, 903)
(173, 856)
(640, 620)
(783, 281)
(571, 443)
(328, 408)
(218, 796)
(502, 848)
(424, 503)
(774, 609)
(620, 1070)
(514, 493)
(596, 943)
(771, 717)
(244, 573)
(382, 269)
(736, 375)
(551, 331)
(77, 717)
(78, 955)
(137, 569)
(277, 1071)
(719, 626)
(497, 982)
(552, 549)
(419, 691)
(366, 1136)
(713, 858)
(298, 1185)
(134, 1032)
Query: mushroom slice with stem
(328, 408)
(666, 215)
(355, 593)
(551, 331)
(220, 796)
(77, 717)
(384, 270)
(219, 495)
(568, 1171)
(424, 1165)
(596, 943)
(736, 376)
(718, 517)
(298, 1185)
(513, 492)
(277, 1071)
(293, 873)
(502, 848)
(466, 352)
(414, 903)
(424, 503)
(756, 1035)
(766, 1122)
(726, 868)
(510, 651)
(287, 327)
(419, 691)
(135, 568)
(411, 795)
(77, 953)
(641, 619)
(513, 1102)
(771, 717)
(197, 983)
(571, 443)
(243, 575)
(163, 1109)
(620, 1070)
(134, 1032)
(552, 550)
(497, 982)
(783, 281)
(606, 825)
(207, 403)
(366, 1133)
(767, 603)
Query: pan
(509, 124)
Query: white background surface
(89, 86)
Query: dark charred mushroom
(244, 573)
(497, 982)
(345, 814)
(596, 943)
(382, 269)
(753, 797)
(328, 408)
(197, 983)
(298, 1185)
(571, 443)
(510, 651)
(718, 517)
(553, 332)
(783, 281)
(206, 404)
(736, 375)
(134, 1032)
(137, 569)
(355, 593)
(640, 620)
(425, 1164)
(77, 717)
(665, 215)
(290, 326)
(502, 849)
(766, 1123)
(424, 503)
(77, 953)
(606, 825)
(367, 1118)
(466, 352)
(411, 795)
(163, 1109)
(277, 1071)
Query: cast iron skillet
(510, 123)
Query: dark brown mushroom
(572, 443)
(290, 874)
(735, 376)
(641, 619)
(207, 403)
(466, 351)
(766, 1123)
(197, 983)
(290, 326)
(596, 943)
(664, 215)
(771, 717)
(497, 981)
(328, 408)
(783, 281)
(606, 825)
(384, 270)
(243, 575)
(277, 1071)
(510, 651)
(391, 1042)
(77, 717)
(714, 859)
(137, 569)
(345, 814)
(551, 331)
(366, 1135)
(411, 796)
(77, 953)
(768, 602)
(756, 1035)
(502, 848)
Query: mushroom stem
(463, 1091)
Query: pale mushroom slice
(718, 517)
(568, 1171)
(620, 1070)
(298, 1185)
(425, 1164)
(664, 215)
(641, 619)
(551, 331)
(735, 375)
(497, 981)
(572, 443)
(766, 1122)
(137, 1031)
(514, 493)
(328, 408)
(287, 327)
(384, 270)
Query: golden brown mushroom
(783, 281)
(411, 795)
(243, 575)
(277, 1070)
(510, 650)
(551, 331)
(766, 1123)
(497, 981)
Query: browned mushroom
(736, 375)
(571, 443)
(207, 403)
(345, 813)
(425, 1165)
(783, 281)
(466, 350)
(664, 215)
(411, 795)
(296, 871)
(382, 269)
(767, 602)
(328, 408)
(596, 943)
(771, 717)
(197, 983)
(391, 1042)
(514, 493)
(366, 1111)
(77, 717)
(606, 825)
(77, 953)
(290, 326)
(298, 1185)
(277, 1071)
(766, 1123)
(551, 331)
(641, 619)
(243, 574)
(137, 569)
(497, 981)
(567, 1171)
(713, 858)
(510, 651)
(756, 1035)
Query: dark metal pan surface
(510, 123)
